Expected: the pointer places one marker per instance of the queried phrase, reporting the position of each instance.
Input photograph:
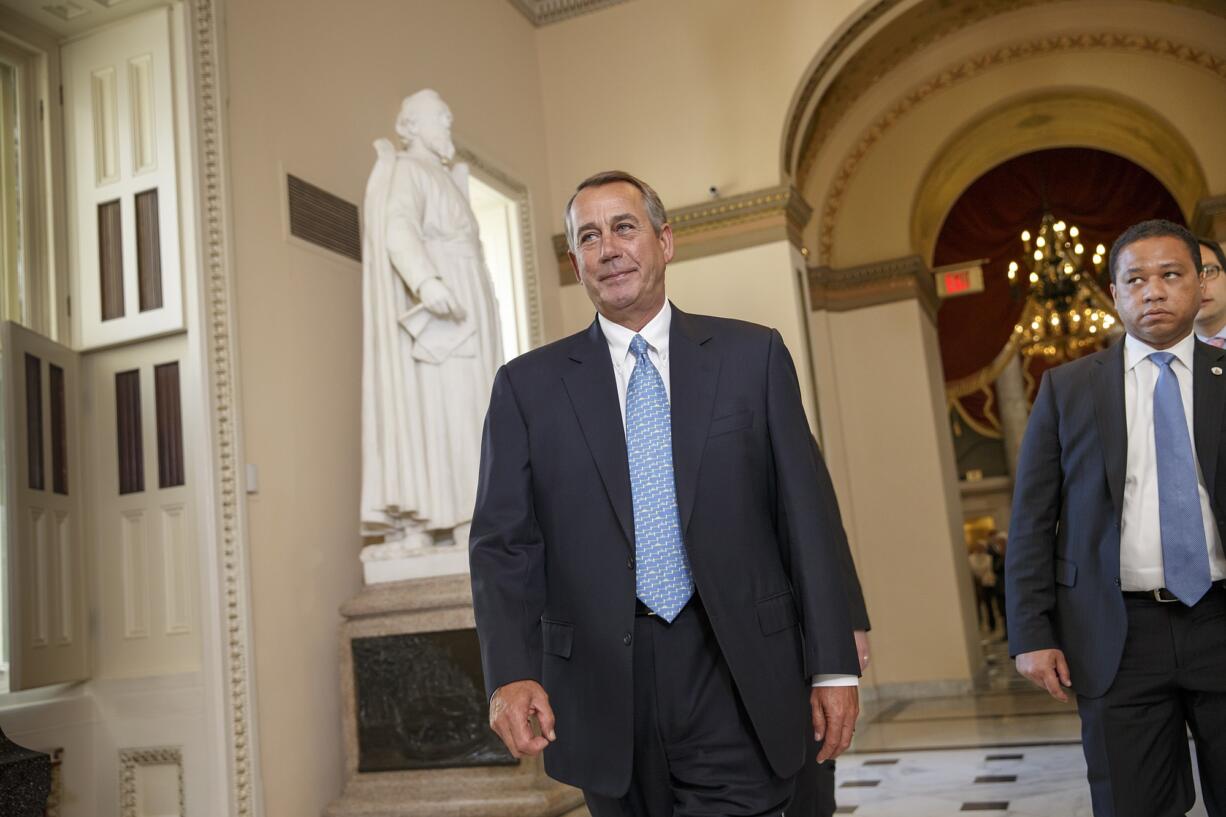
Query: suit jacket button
(626, 639)
(1117, 581)
(630, 563)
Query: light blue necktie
(662, 579)
(1185, 554)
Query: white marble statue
(430, 345)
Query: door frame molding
(222, 523)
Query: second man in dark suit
(1115, 566)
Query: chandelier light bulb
(1034, 277)
(1079, 249)
(1060, 226)
(1038, 255)
(1040, 242)
(1098, 259)
(1073, 231)
(1100, 249)
(1025, 235)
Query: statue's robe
(423, 399)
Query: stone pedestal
(25, 780)
(417, 740)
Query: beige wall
(684, 93)
(887, 443)
(311, 85)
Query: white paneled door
(119, 112)
(45, 569)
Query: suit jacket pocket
(731, 422)
(1066, 573)
(777, 613)
(557, 637)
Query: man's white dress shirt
(1140, 531)
(656, 334)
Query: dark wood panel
(34, 422)
(148, 250)
(171, 471)
(110, 259)
(128, 420)
(59, 430)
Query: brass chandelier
(1066, 313)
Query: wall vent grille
(323, 219)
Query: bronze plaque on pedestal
(421, 703)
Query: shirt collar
(655, 333)
(1207, 338)
(1137, 350)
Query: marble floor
(1007, 749)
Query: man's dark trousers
(695, 754)
(1173, 671)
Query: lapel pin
(1216, 370)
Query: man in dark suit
(653, 581)
(1115, 565)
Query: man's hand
(1046, 669)
(834, 718)
(512, 707)
(862, 650)
(439, 300)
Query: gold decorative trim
(130, 759)
(975, 67)
(527, 243)
(724, 225)
(219, 331)
(545, 12)
(899, 279)
(991, 431)
(1209, 218)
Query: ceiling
(69, 18)
(544, 12)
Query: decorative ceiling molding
(724, 225)
(544, 12)
(976, 66)
(882, 282)
(826, 97)
(1210, 217)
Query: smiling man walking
(654, 581)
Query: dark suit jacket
(552, 541)
(1062, 564)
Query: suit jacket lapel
(1112, 424)
(592, 389)
(694, 374)
(1208, 403)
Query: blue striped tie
(1185, 554)
(662, 579)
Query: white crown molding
(543, 12)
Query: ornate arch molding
(873, 44)
(1049, 119)
(975, 66)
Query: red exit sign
(959, 279)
